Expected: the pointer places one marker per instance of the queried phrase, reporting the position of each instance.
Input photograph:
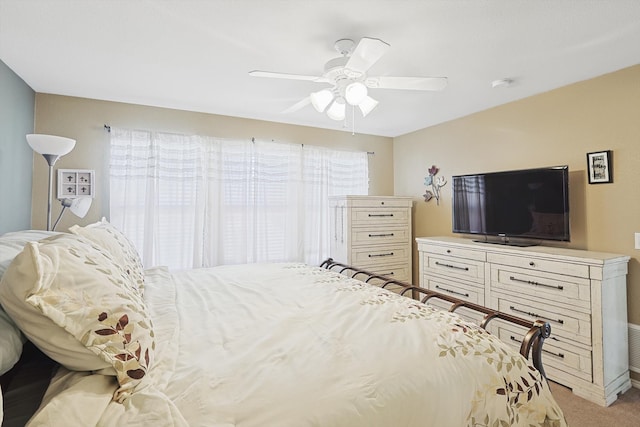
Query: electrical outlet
(637, 240)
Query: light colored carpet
(624, 412)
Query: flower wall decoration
(435, 183)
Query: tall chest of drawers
(582, 294)
(373, 233)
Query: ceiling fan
(348, 77)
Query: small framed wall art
(599, 167)
(76, 183)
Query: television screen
(529, 203)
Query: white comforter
(289, 345)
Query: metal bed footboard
(531, 345)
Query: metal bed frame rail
(531, 345)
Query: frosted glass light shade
(80, 206)
(50, 144)
(367, 104)
(337, 110)
(321, 99)
(355, 93)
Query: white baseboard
(635, 383)
(634, 347)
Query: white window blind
(195, 201)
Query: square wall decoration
(75, 183)
(599, 167)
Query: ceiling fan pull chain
(353, 120)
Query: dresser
(582, 294)
(373, 233)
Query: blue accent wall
(17, 101)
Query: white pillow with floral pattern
(111, 239)
(79, 306)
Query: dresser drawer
(466, 292)
(392, 254)
(457, 268)
(462, 291)
(398, 272)
(450, 251)
(537, 264)
(379, 235)
(386, 216)
(564, 324)
(392, 271)
(570, 290)
(373, 202)
(557, 354)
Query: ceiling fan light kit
(367, 105)
(355, 93)
(506, 82)
(337, 109)
(350, 83)
(321, 99)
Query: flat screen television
(531, 204)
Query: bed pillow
(11, 341)
(104, 234)
(74, 302)
(11, 244)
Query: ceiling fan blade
(366, 53)
(407, 83)
(297, 106)
(270, 74)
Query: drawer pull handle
(451, 291)
(376, 255)
(448, 251)
(378, 215)
(531, 282)
(452, 266)
(560, 355)
(381, 235)
(517, 310)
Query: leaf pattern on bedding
(118, 246)
(89, 295)
(518, 383)
(518, 396)
(415, 311)
(128, 359)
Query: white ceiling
(196, 55)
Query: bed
(279, 344)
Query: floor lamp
(79, 207)
(52, 148)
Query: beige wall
(84, 120)
(557, 127)
(554, 128)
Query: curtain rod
(108, 129)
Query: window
(194, 201)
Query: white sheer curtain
(194, 201)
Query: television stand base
(508, 243)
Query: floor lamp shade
(50, 144)
(51, 147)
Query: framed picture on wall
(599, 167)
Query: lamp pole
(51, 160)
